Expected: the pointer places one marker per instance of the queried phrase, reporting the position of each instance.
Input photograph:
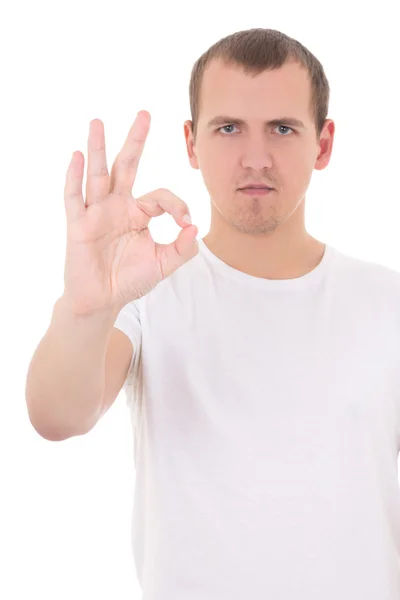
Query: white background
(66, 507)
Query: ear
(191, 149)
(325, 145)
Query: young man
(262, 375)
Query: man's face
(231, 156)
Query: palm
(108, 244)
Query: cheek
(299, 180)
(218, 167)
(216, 175)
(295, 166)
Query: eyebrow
(220, 120)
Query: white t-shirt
(266, 420)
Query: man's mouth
(256, 190)
(257, 186)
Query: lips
(257, 187)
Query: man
(264, 373)
(267, 376)
(266, 381)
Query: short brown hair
(258, 50)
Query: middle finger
(124, 169)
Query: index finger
(124, 169)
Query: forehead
(227, 89)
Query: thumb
(177, 253)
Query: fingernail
(187, 219)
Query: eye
(286, 127)
(224, 126)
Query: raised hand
(111, 258)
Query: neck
(267, 257)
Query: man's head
(258, 76)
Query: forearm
(65, 380)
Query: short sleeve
(128, 321)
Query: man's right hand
(111, 258)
